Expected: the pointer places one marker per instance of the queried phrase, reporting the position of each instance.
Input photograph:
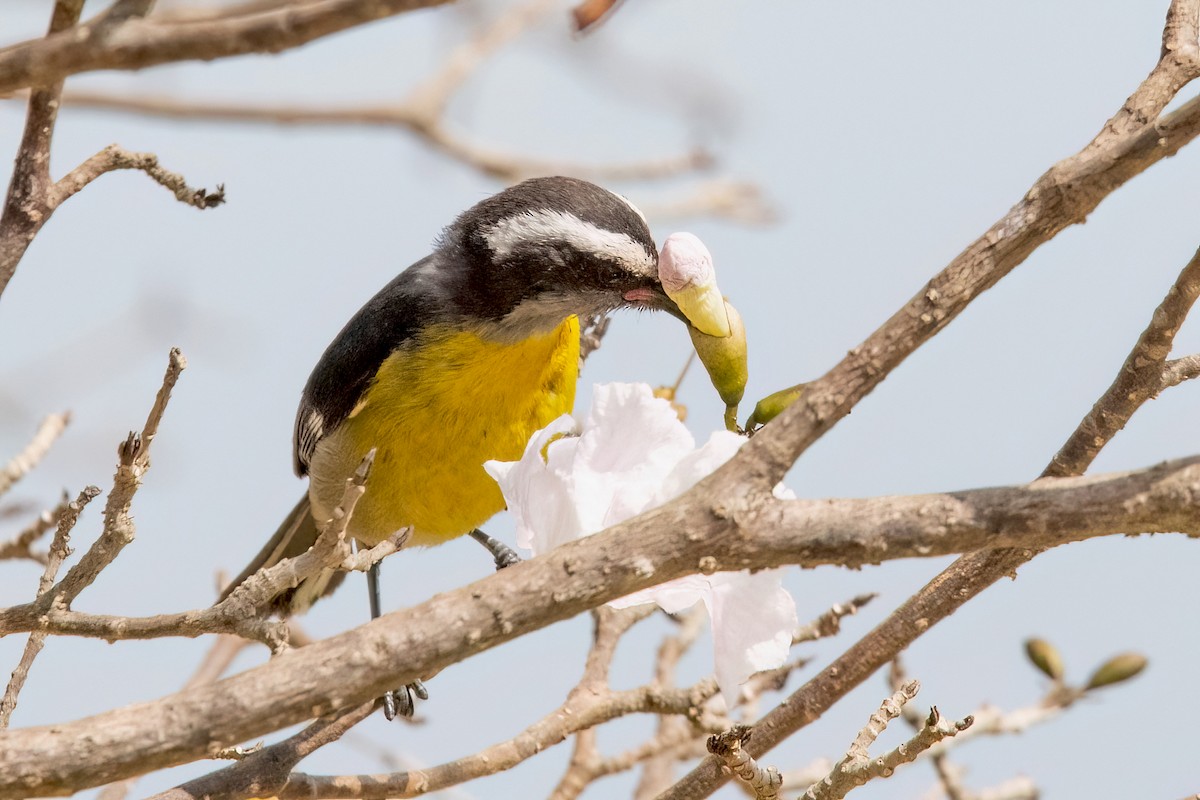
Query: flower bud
(685, 268)
(725, 359)
(1117, 669)
(1045, 657)
(773, 405)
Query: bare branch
(33, 197)
(1141, 377)
(736, 201)
(428, 101)
(857, 767)
(133, 461)
(21, 545)
(139, 43)
(659, 769)
(209, 13)
(59, 551)
(830, 623)
(219, 657)
(765, 782)
(361, 664)
(417, 120)
(237, 614)
(590, 13)
(1179, 370)
(26, 207)
(580, 713)
(48, 431)
(1064, 196)
(667, 743)
(804, 532)
(114, 157)
(263, 772)
(422, 114)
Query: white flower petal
(753, 618)
(672, 596)
(632, 455)
(541, 505)
(697, 465)
(631, 440)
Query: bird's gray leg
(398, 701)
(502, 553)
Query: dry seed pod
(1117, 669)
(668, 393)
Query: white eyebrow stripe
(546, 225)
(633, 208)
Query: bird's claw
(506, 558)
(403, 701)
(502, 554)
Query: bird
(457, 361)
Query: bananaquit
(458, 360)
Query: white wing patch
(310, 427)
(546, 225)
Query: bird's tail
(295, 535)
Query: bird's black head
(547, 248)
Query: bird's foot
(403, 701)
(504, 555)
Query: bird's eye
(610, 274)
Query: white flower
(633, 454)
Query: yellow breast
(436, 411)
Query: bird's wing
(389, 319)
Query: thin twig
(1179, 370)
(21, 545)
(434, 132)
(421, 114)
(114, 158)
(32, 195)
(140, 43)
(59, 550)
(1140, 378)
(238, 614)
(225, 648)
(263, 772)
(830, 622)
(429, 99)
(659, 769)
(132, 463)
(857, 767)
(736, 201)
(764, 782)
(19, 466)
(590, 13)
(1064, 196)
(26, 204)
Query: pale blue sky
(887, 135)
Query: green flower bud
(725, 359)
(773, 405)
(1117, 669)
(1045, 657)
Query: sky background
(887, 136)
